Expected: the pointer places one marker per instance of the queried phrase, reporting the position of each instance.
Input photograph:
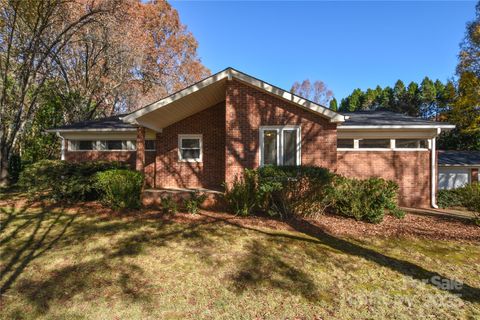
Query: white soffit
(209, 92)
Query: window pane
(191, 154)
(411, 143)
(345, 143)
(130, 145)
(374, 143)
(290, 147)
(85, 145)
(114, 145)
(149, 144)
(101, 145)
(73, 145)
(270, 147)
(191, 143)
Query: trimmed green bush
(61, 180)
(192, 204)
(467, 197)
(450, 198)
(309, 191)
(242, 196)
(120, 188)
(298, 190)
(366, 200)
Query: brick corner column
(229, 128)
(140, 159)
(474, 175)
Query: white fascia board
(446, 126)
(131, 118)
(92, 130)
(285, 95)
(231, 74)
(460, 165)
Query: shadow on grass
(41, 239)
(31, 235)
(466, 292)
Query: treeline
(456, 101)
(429, 99)
(72, 60)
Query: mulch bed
(414, 225)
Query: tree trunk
(3, 168)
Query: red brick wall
(248, 108)
(410, 169)
(474, 175)
(210, 173)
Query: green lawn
(81, 264)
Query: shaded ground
(87, 262)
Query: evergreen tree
(333, 104)
(428, 98)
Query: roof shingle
(459, 158)
(383, 118)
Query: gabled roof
(210, 91)
(388, 120)
(459, 158)
(113, 123)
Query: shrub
(120, 188)
(467, 197)
(60, 180)
(192, 204)
(298, 190)
(169, 206)
(449, 198)
(366, 200)
(242, 197)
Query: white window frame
(99, 144)
(279, 130)
(190, 136)
(356, 145)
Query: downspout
(62, 154)
(434, 170)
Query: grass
(69, 263)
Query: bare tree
(318, 93)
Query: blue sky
(348, 45)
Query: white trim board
(229, 74)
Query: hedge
(66, 181)
(310, 191)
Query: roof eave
(91, 130)
(359, 127)
(230, 74)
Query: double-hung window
(190, 147)
(280, 145)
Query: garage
(457, 168)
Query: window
(150, 145)
(114, 145)
(280, 145)
(374, 143)
(411, 144)
(81, 145)
(345, 143)
(190, 148)
(102, 145)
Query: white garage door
(451, 178)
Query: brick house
(207, 133)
